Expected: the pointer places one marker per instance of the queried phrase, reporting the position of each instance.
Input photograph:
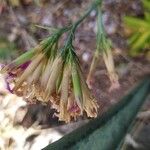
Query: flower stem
(80, 20)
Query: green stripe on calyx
(77, 86)
(24, 57)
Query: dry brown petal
(28, 71)
(51, 85)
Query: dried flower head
(75, 97)
(25, 74)
(67, 89)
(104, 48)
(45, 75)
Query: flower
(103, 48)
(45, 75)
(25, 74)
(75, 96)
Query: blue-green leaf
(106, 131)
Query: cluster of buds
(49, 76)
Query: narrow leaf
(136, 23)
(106, 131)
(140, 42)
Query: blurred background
(24, 23)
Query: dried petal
(51, 85)
(64, 94)
(28, 71)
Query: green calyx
(24, 57)
(69, 56)
(77, 86)
(50, 44)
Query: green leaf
(140, 42)
(134, 38)
(147, 16)
(146, 4)
(106, 131)
(140, 34)
(136, 23)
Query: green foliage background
(140, 30)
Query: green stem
(81, 19)
(100, 24)
(103, 44)
(68, 44)
(93, 6)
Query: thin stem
(72, 28)
(68, 44)
(93, 6)
(81, 19)
(101, 29)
